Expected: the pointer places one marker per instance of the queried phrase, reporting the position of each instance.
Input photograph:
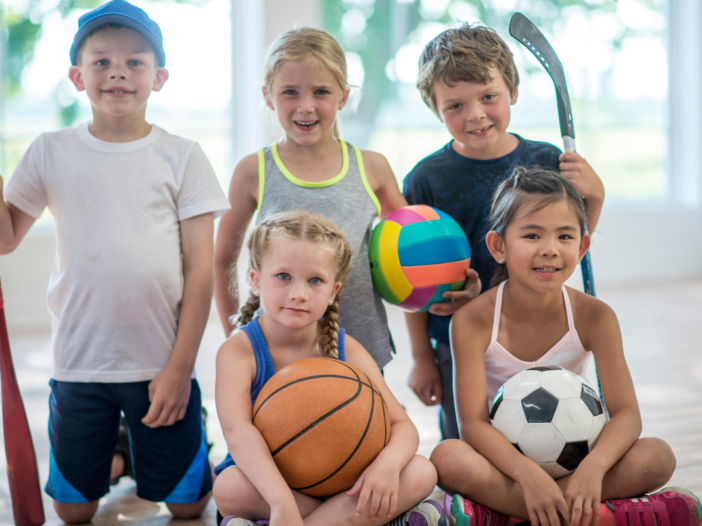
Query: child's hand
(576, 169)
(378, 487)
(583, 495)
(425, 381)
(169, 394)
(471, 289)
(543, 498)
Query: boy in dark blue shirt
(468, 78)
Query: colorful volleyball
(416, 254)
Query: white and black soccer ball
(551, 415)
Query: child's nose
(298, 290)
(475, 112)
(306, 105)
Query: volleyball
(416, 254)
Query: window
(614, 54)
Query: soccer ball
(551, 415)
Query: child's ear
(76, 77)
(335, 291)
(513, 96)
(267, 98)
(344, 99)
(496, 245)
(584, 246)
(160, 80)
(253, 279)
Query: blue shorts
(170, 463)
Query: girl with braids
(298, 264)
(531, 319)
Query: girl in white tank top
(538, 235)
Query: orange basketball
(324, 422)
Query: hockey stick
(22, 469)
(528, 35)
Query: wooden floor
(662, 327)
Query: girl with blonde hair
(312, 168)
(298, 263)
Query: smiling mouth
(547, 270)
(481, 130)
(306, 124)
(118, 91)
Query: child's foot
(124, 452)
(465, 512)
(667, 507)
(235, 521)
(426, 513)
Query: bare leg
(76, 513)
(645, 467)
(417, 481)
(235, 495)
(189, 510)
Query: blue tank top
(265, 369)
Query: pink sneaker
(667, 507)
(464, 512)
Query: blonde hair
(464, 53)
(313, 228)
(303, 43)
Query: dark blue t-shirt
(463, 188)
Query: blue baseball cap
(123, 13)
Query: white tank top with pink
(500, 365)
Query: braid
(248, 310)
(330, 329)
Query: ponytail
(247, 311)
(499, 275)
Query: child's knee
(188, 510)
(76, 513)
(421, 476)
(444, 456)
(656, 462)
(234, 494)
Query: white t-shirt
(117, 280)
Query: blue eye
(321, 92)
(284, 276)
(290, 92)
(101, 62)
(134, 63)
(315, 281)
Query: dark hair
(538, 187)
(464, 53)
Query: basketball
(324, 422)
(416, 254)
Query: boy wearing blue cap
(132, 281)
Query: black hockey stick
(528, 35)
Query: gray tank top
(348, 201)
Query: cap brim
(123, 20)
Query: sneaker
(667, 507)
(426, 513)
(465, 512)
(235, 521)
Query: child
(298, 263)
(468, 78)
(132, 280)
(537, 236)
(304, 83)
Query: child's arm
(169, 391)
(377, 488)
(588, 183)
(383, 183)
(599, 331)
(424, 378)
(471, 328)
(243, 196)
(236, 369)
(14, 224)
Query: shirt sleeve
(26, 189)
(200, 192)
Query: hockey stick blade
(528, 35)
(22, 471)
